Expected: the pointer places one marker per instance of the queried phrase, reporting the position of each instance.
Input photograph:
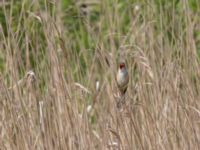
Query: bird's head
(122, 65)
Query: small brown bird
(122, 78)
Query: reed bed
(58, 61)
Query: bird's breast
(122, 78)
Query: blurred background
(58, 62)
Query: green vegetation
(69, 45)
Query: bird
(122, 79)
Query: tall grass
(72, 45)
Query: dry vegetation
(70, 46)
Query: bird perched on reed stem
(122, 80)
